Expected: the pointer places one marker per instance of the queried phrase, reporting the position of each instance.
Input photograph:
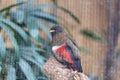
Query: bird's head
(55, 30)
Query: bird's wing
(72, 43)
(76, 60)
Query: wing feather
(76, 59)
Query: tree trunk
(113, 30)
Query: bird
(65, 49)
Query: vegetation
(29, 51)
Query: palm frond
(11, 36)
(11, 73)
(26, 68)
(2, 47)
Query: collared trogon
(65, 49)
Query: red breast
(63, 52)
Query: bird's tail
(78, 65)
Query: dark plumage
(65, 49)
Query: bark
(113, 30)
(56, 71)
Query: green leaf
(42, 25)
(29, 53)
(16, 28)
(70, 14)
(11, 36)
(31, 23)
(0, 68)
(46, 45)
(9, 7)
(43, 78)
(32, 48)
(84, 50)
(19, 1)
(27, 70)
(31, 59)
(2, 47)
(45, 28)
(29, 2)
(45, 16)
(43, 42)
(40, 7)
(11, 73)
(17, 16)
(92, 35)
(54, 2)
(35, 55)
(38, 58)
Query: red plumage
(64, 53)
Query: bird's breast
(63, 52)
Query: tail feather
(78, 65)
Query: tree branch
(56, 71)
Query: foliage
(66, 11)
(93, 35)
(29, 50)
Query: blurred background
(26, 42)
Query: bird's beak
(52, 30)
